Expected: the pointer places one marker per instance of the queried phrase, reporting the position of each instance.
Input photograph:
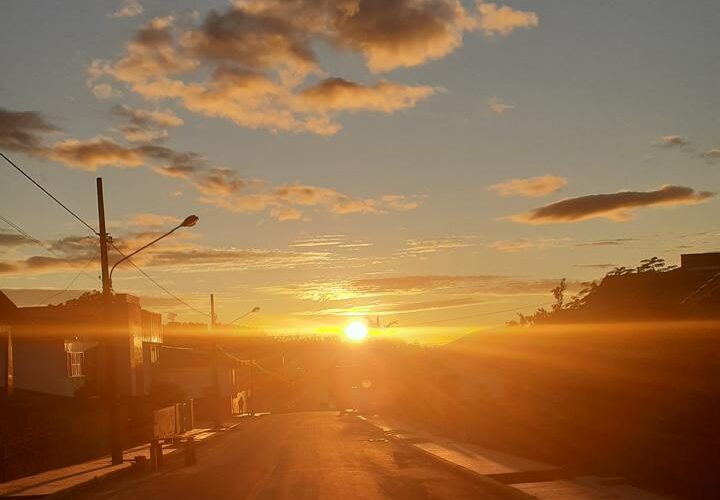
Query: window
(75, 362)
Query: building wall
(41, 366)
(134, 329)
(40, 335)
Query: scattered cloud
(326, 240)
(421, 248)
(411, 285)
(23, 131)
(224, 189)
(93, 153)
(532, 187)
(617, 207)
(394, 308)
(12, 240)
(503, 20)
(143, 118)
(338, 94)
(235, 259)
(217, 186)
(499, 106)
(254, 63)
(606, 243)
(674, 141)
(712, 155)
(595, 266)
(525, 244)
(105, 91)
(401, 202)
(329, 240)
(8, 268)
(128, 8)
(74, 252)
(152, 220)
(146, 125)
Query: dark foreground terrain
(299, 456)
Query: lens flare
(356, 331)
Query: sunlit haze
(343, 176)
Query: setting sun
(356, 331)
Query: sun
(356, 331)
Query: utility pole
(116, 451)
(216, 379)
(9, 374)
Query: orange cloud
(613, 206)
(260, 53)
(152, 220)
(401, 202)
(337, 94)
(94, 153)
(412, 285)
(525, 244)
(532, 187)
(674, 141)
(503, 20)
(499, 106)
(13, 240)
(420, 248)
(221, 187)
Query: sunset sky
(438, 163)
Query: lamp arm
(241, 316)
(126, 257)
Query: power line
(37, 184)
(181, 301)
(490, 313)
(48, 249)
(90, 260)
(23, 233)
(80, 219)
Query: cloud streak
(531, 187)
(412, 285)
(616, 207)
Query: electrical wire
(76, 216)
(31, 238)
(67, 287)
(490, 313)
(24, 233)
(80, 219)
(171, 294)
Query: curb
(490, 483)
(121, 473)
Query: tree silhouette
(589, 289)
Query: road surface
(298, 456)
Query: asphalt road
(298, 456)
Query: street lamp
(189, 221)
(251, 311)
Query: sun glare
(356, 331)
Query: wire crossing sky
(438, 163)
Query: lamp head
(190, 221)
